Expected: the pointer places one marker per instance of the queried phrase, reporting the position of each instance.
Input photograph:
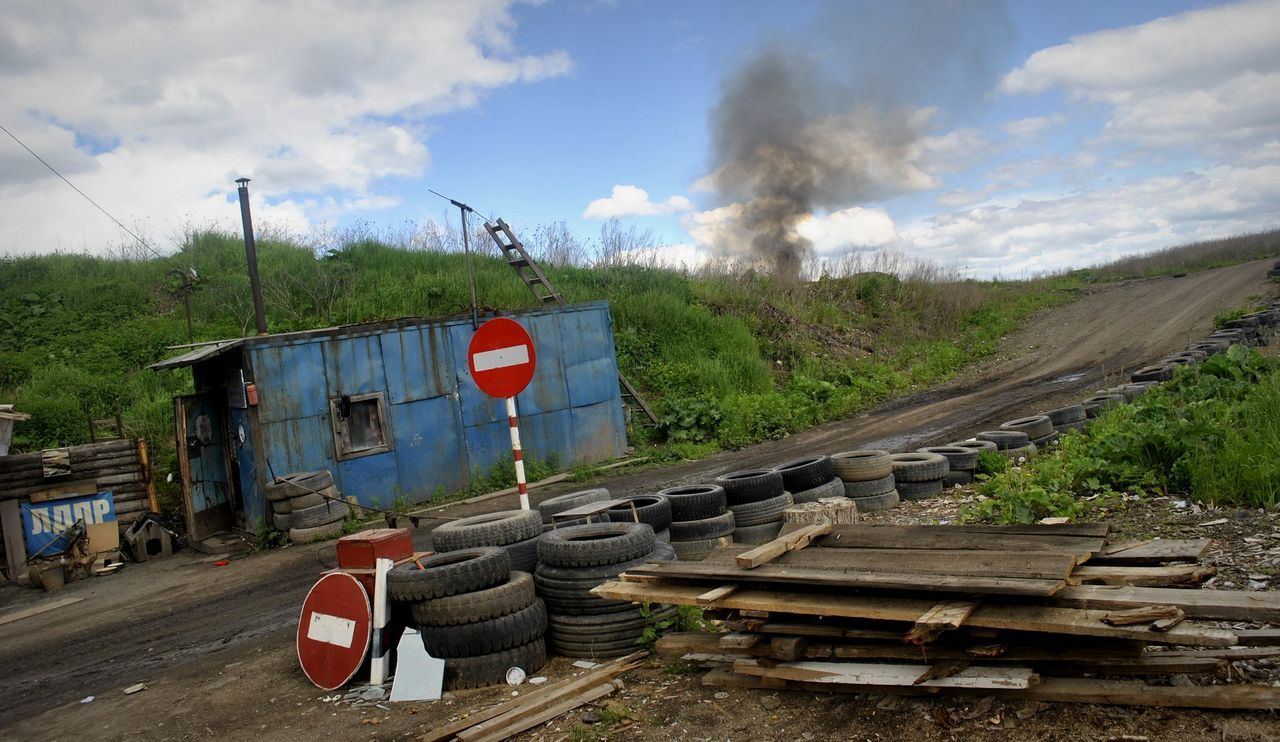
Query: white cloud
(1207, 78)
(683, 256)
(1088, 226)
(721, 231)
(849, 229)
(169, 102)
(629, 200)
(1026, 128)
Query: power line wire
(106, 213)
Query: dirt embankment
(214, 644)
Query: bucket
(52, 577)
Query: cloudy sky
(1002, 138)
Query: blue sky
(1078, 132)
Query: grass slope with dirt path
(166, 614)
(727, 360)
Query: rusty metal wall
(442, 428)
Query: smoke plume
(790, 136)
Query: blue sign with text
(45, 522)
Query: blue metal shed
(389, 408)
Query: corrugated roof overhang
(203, 353)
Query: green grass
(1211, 433)
(725, 360)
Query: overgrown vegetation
(727, 358)
(1211, 433)
(1195, 256)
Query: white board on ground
(419, 676)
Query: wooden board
(778, 574)
(959, 537)
(875, 673)
(1095, 530)
(36, 610)
(1234, 605)
(1190, 575)
(1259, 637)
(711, 596)
(67, 489)
(1059, 690)
(505, 727)
(520, 705)
(15, 542)
(944, 616)
(1154, 552)
(1010, 617)
(793, 541)
(983, 563)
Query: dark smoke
(791, 136)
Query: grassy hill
(726, 359)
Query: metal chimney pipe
(251, 254)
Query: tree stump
(834, 510)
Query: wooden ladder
(531, 274)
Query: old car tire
(595, 544)
(861, 466)
(491, 529)
(695, 502)
(478, 605)
(918, 467)
(449, 573)
(750, 485)
(490, 669)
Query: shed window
(359, 425)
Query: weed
(265, 537)
(685, 618)
(991, 463)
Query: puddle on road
(1066, 379)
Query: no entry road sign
(334, 630)
(501, 357)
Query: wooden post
(144, 459)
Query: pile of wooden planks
(1027, 611)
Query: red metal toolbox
(361, 550)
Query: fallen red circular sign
(334, 630)
(501, 357)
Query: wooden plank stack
(1036, 612)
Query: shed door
(202, 461)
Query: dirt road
(214, 643)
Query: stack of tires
(1250, 328)
(919, 475)
(867, 478)
(962, 462)
(514, 531)
(1039, 429)
(810, 479)
(1012, 444)
(1065, 419)
(560, 503)
(756, 498)
(307, 505)
(700, 520)
(475, 612)
(575, 559)
(652, 510)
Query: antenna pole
(466, 247)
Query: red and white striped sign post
(502, 359)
